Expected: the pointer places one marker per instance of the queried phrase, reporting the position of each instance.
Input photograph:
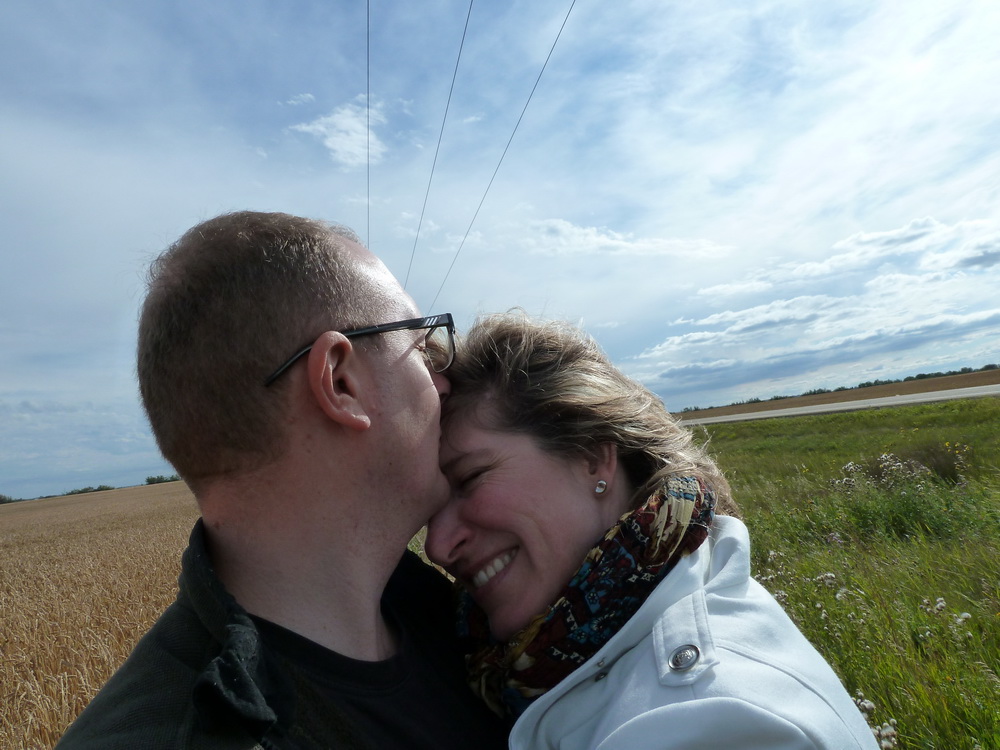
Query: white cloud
(64, 446)
(731, 289)
(925, 284)
(299, 99)
(561, 237)
(346, 135)
(924, 243)
(977, 252)
(775, 313)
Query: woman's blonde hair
(551, 380)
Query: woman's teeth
(484, 575)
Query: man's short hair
(226, 304)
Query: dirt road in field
(971, 385)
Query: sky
(737, 199)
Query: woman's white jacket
(710, 661)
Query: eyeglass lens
(440, 349)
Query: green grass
(891, 567)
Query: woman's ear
(336, 381)
(612, 491)
(602, 465)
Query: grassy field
(880, 533)
(891, 569)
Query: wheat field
(81, 579)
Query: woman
(609, 602)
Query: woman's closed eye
(464, 482)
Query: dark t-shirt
(416, 699)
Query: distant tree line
(84, 490)
(158, 479)
(866, 384)
(923, 376)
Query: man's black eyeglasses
(439, 343)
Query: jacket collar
(237, 686)
(675, 613)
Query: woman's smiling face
(519, 521)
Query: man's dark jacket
(201, 679)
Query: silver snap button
(600, 676)
(684, 657)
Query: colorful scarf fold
(615, 579)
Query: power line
(430, 179)
(490, 184)
(368, 126)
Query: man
(308, 432)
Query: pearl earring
(601, 486)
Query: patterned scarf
(613, 582)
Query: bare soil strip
(943, 383)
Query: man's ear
(336, 381)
